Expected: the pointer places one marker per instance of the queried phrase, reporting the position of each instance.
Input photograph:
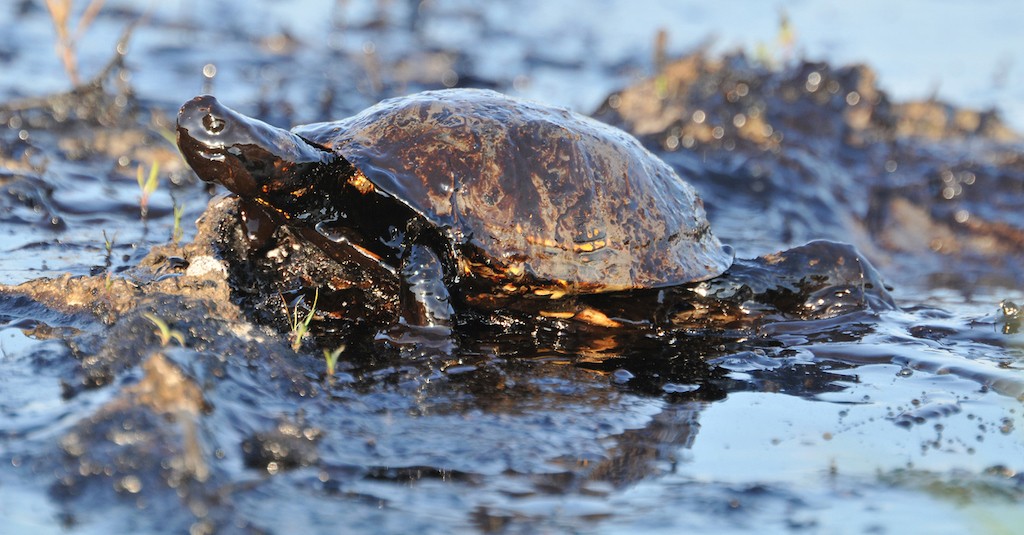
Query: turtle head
(247, 156)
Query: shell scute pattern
(532, 190)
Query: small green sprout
(147, 185)
(164, 331)
(176, 234)
(108, 244)
(331, 358)
(786, 36)
(300, 326)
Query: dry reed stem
(60, 13)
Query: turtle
(470, 197)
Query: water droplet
(132, 484)
(813, 81)
(522, 82)
(621, 376)
(209, 70)
(853, 98)
(450, 78)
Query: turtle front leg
(424, 297)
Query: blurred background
(569, 53)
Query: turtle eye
(213, 124)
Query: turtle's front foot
(425, 299)
(425, 327)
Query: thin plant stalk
(300, 326)
(67, 41)
(331, 358)
(164, 330)
(176, 234)
(147, 186)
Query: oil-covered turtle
(471, 192)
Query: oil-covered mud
(858, 368)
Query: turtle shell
(531, 191)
